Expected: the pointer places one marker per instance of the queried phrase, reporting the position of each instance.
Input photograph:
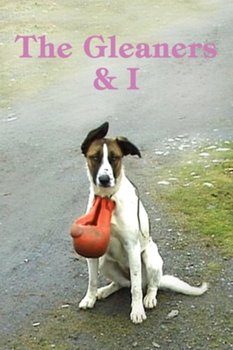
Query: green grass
(201, 197)
(67, 329)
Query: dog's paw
(87, 302)
(138, 314)
(150, 301)
(103, 292)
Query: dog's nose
(104, 180)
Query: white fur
(132, 259)
(105, 168)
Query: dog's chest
(129, 220)
(125, 215)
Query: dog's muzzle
(104, 180)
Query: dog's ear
(93, 135)
(127, 147)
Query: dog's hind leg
(104, 292)
(153, 264)
(118, 276)
(112, 271)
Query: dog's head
(104, 156)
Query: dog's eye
(95, 158)
(114, 158)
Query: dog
(132, 259)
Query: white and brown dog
(132, 258)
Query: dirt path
(44, 187)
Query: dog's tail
(175, 284)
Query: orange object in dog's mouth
(91, 232)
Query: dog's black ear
(127, 147)
(93, 135)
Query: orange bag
(91, 232)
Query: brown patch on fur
(94, 156)
(114, 156)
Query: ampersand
(103, 81)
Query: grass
(200, 195)
(67, 329)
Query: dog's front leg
(134, 253)
(90, 298)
